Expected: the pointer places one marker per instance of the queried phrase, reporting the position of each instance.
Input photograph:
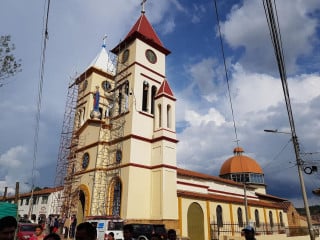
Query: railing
(229, 229)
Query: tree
(9, 65)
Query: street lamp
(302, 185)
(275, 131)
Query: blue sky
(195, 73)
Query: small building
(39, 205)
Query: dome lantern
(241, 168)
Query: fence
(228, 229)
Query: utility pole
(246, 202)
(16, 197)
(31, 202)
(277, 44)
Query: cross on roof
(142, 6)
(104, 40)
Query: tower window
(120, 100)
(145, 96)
(292, 216)
(126, 96)
(168, 116)
(153, 94)
(126, 87)
(160, 115)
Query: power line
(40, 87)
(275, 35)
(277, 155)
(226, 73)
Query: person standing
(66, 227)
(73, 225)
(8, 226)
(249, 233)
(86, 231)
(128, 232)
(52, 236)
(38, 234)
(110, 236)
(172, 235)
(55, 225)
(51, 224)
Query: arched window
(83, 115)
(126, 91)
(281, 219)
(114, 197)
(219, 216)
(240, 217)
(79, 117)
(271, 219)
(145, 96)
(82, 200)
(168, 116)
(126, 87)
(160, 116)
(120, 99)
(100, 111)
(256, 215)
(117, 198)
(153, 94)
(293, 218)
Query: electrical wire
(226, 73)
(277, 155)
(275, 34)
(40, 88)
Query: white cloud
(246, 27)
(168, 26)
(195, 119)
(15, 167)
(209, 138)
(10, 159)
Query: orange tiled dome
(240, 164)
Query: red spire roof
(144, 27)
(165, 90)
(144, 31)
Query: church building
(122, 158)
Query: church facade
(122, 159)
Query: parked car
(107, 224)
(25, 230)
(144, 231)
(24, 220)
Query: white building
(39, 204)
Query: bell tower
(148, 172)
(122, 159)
